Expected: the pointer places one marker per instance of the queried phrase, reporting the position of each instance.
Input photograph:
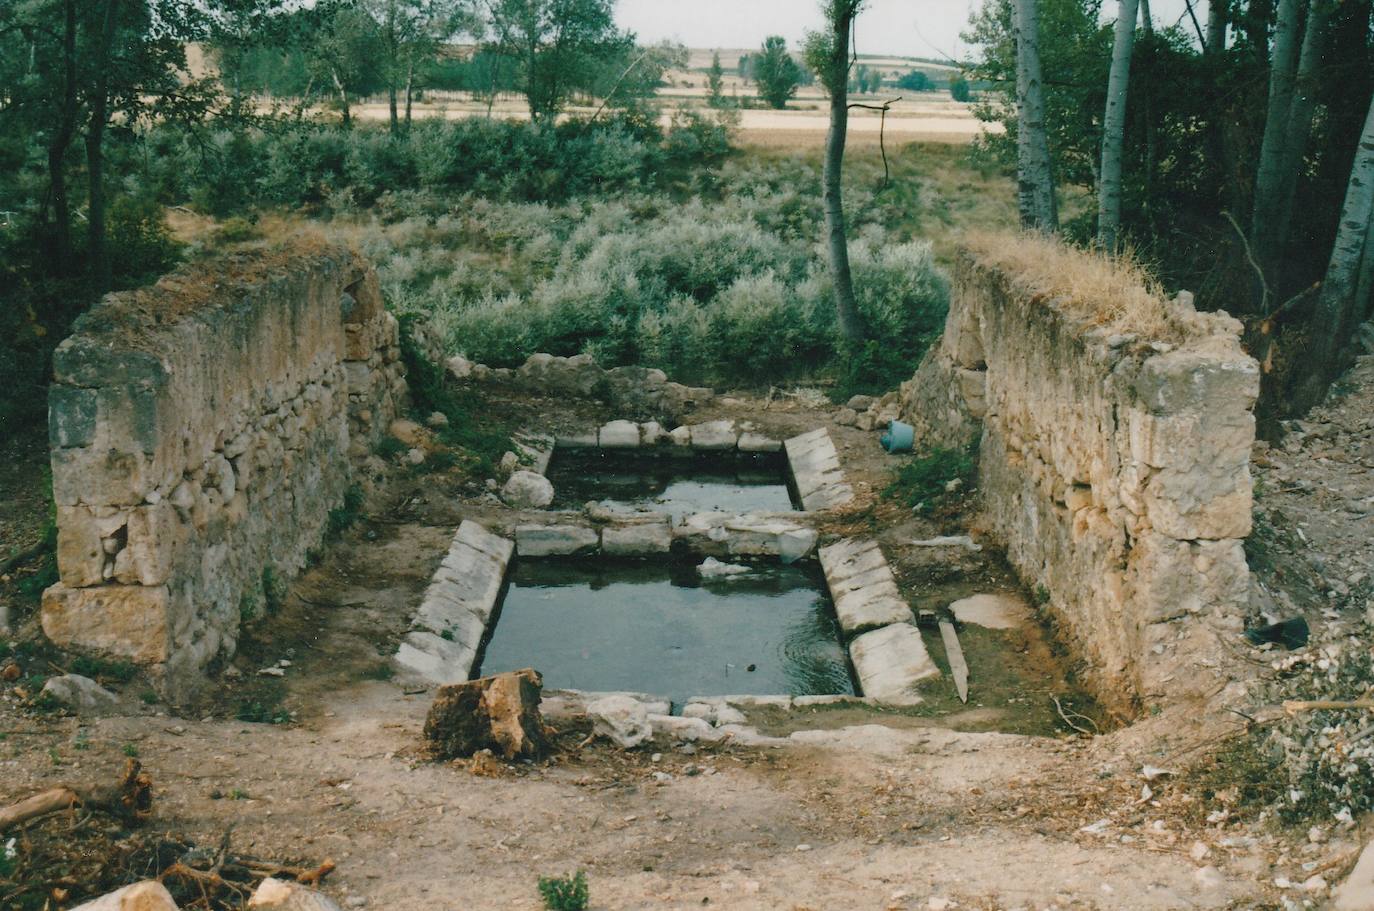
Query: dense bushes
(308, 164)
(733, 290)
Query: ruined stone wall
(1114, 468)
(201, 431)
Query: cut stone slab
(536, 450)
(757, 442)
(498, 713)
(555, 540)
(639, 539)
(619, 435)
(586, 440)
(862, 586)
(1357, 892)
(992, 611)
(890, 662)
(145, 896)
(688, 729)
(714, 435)
(815, 466)
(436, 658)
(850, 557)
(870, 608)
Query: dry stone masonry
(201, 432)
(1114, 468)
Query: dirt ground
(869, 809)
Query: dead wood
(1294, 706)
(130, 800)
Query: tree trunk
(1034, 178)
(1269, 176)
(1114, 127)
(395, 112)
(95, 153)
(1216, 27)
(1364, 288)
(846, 310)
(343, 98)
(1299, 127)
(410, 89)
(61, 141)
(1336, 310)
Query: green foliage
(564, 893)
(342, 517)
(390, 448)
(923, 482)
(274, 589)
(130, 750)
(259, 712)
(471, 428)
(715, 81)
(120, 671)
(959, 89)
(776, 72)
(915, 81)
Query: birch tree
(1114, 126)
(1300, 114)
(828, 55)
(1269, 180)
(1034, 175)
(1338, 307)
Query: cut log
(499, 713)
(129, 800)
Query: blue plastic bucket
(899, 437)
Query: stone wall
(1114, 468)
(201, 432)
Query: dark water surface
(681, 486)
(659, 629)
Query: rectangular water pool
(663, 630)
(736, 483)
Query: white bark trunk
(1299, 130)
(1216, 26)
(1114, 126)
(1336, 306)
(1269, 177)
(1035, 178)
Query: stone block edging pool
(447, 629)
(812, 459)
(887, 651)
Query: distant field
(916, 117)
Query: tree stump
(499, 713)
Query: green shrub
(342, 517)
(564, 893)
(923, 483)
(101, 669)
(274, 590)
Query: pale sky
(910, 28)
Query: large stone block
(892, 662)
(125, 621)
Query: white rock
(144, 896)
(619, 435)
(620, 719)
(712, 568)
(284, 896)
(437, 420)
(80, 693)
(689, 729)
(681, 436)
(416, 456)
(963, 541)
(459, 367)
(527, 490)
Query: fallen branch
(129, 800)
(1082, 730)
(1294, 706)
(23, 557)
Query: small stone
(437, 420)
(527, 490)
(459, 367)
(620, 719)
(803, 847)
(860, 402)
(80, 693)
(287, 896)
(846, 417)
(415, 457)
